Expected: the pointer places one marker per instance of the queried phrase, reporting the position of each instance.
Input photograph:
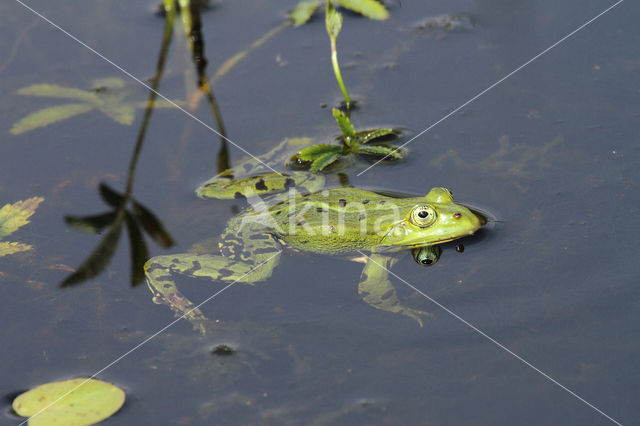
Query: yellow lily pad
(72, 402)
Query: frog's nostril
(457, 215)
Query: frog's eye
(423, 216)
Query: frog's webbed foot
(159, 272)
(165, 292)
(376, 289)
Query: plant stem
(336, 70)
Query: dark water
(552, 152)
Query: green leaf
(47, 116)
(7, 248)
(60, 92)
(139, 253)
(369, 8)
(123, 113)
(369, 135)
(391, 153)
(333, 21)
(70, 402)
(323, 160)
(152, 225)
(13, 216)
(98, 259)
(91, 224)
(348, 132)
(107, 83)
(161, 103)
(310, 153)
(303, 11)
(110, 196)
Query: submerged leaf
(391, 153)
(369, 8)
(123, 113)
(348, 132)
(107, 83)
(139, 253)
(303, 11)
(310, 153)
(161, 103)
(48, 116)
(152, 225)
(98, 259)
(16, 215)
(91, 224)
(60, 92)
(323, 160)
(7, 248)
(72, 402)
(369, 135)
(333, 21)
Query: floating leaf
(48, 116)
(333, 21)
(152, 225)
(72, 402)
(110, 196)
(98, 259)
(303, 11)
(16, 215)
(369, 8)
(389, 152)
(7, 248)
(323, 160)
(91, 224)
(139, 252)
(348, 132)
(60, 92)
(369, 135)
(310, 153)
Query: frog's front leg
(376, 289)
(159, 272)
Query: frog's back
(336, 221)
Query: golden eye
(423, 216)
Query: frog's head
(434, 219)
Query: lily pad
(72, 402)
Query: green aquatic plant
(320, 156)
(12, 217)
(333, 22)
(305, 9)
(108, 95)
(69, 402)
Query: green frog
(294, 210)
